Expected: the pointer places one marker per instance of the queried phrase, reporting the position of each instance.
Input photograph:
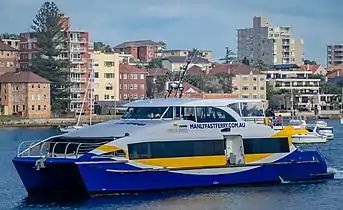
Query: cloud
(188, 24)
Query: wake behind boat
(72, 128)
(166, 144)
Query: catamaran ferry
(164, 144)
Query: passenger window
(213, 114)
(266, 145)
(168, 114)
(235, 107)
(188, 113)
(177, 112)
(252, 109)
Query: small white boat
(308, 138)
(301, 122)
(342, 121)
(324, 131)
(72, 128)
(321, 123)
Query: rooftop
(126, 68)
(182, 59)
(137, 43)
(5, 47)
(190, 102)
(22, 77)
(235, 69)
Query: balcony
(77, 60)
(78, 40)
(80, 80)
(78, 70)
(76, 99)
(76, 50)
(77, 90)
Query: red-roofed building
(315, 69)
(132, 82)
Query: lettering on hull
(217, 125)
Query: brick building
(144, 50)
(24, 94)
(76, 49)
(132, 82)
(8, 58)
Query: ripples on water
(324, 195)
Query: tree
(163, 45)
(51, 41)
(100, 46)
(229, 56)
(261, 66)
(9, 36)
(309, 62)
(155, 63)
(245, 61)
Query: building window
(44, 107)
(125, 76)
(109, 63)
(142, 96)
(24, 107)
(245, 88)
(125, 96)
(125, 86)
(131, 76)
(14, 109)
(120, 76)
(135, 76)
(142, 86)
(255, 87)
(135, 96)
(142, 76)
(96, 74)
(109, 88)
(131, 86)
(38, 85)
(33, 85)
(109, 75)
(261, 88)
(135, 86)
(39, 108)
(106, 97)
(38, 97)
(33, 107)
(261, 79)
(112, 97)
(32, 97)
(44, 96)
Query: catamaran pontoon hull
(61, 175)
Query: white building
(272, 45)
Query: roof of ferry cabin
(190, 102)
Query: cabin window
(174, 149)
(213, 114)
(168, 114)
(188, 113)
(144, 112)
(118, 153)
(265, 145)
(254, 109)
(235, 107)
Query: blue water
(326, 195)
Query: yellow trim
(183, 162)
(110, 148)
(289, 131)
(250, 158)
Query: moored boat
(165, 144)
(310, 138)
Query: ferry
(166, 144)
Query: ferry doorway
(234, 149)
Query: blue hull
(76, 176)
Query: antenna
(177, 83)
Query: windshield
(325, 129)
(144, 112)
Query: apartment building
(24, 94)
(106, 76)
(144, 50)
(76, 49)
(270, 44)
(8, 58)
(334, 55)
(174, 63)
(247, 83)
(207, 54)
(132, 82)
(304, 86)
(11, 42)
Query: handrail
(56, 148)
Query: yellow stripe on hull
(183, 162)
(255, 157)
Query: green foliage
(163, 44)
(155, 63)
(100, 46)
(229, 56)
(219, 83)
(245, 61)
(9, 36)
(261, 66)
(51, 41)
(309, 62)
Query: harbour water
(325, 195)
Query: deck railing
(54, 149)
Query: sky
(187, 24)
